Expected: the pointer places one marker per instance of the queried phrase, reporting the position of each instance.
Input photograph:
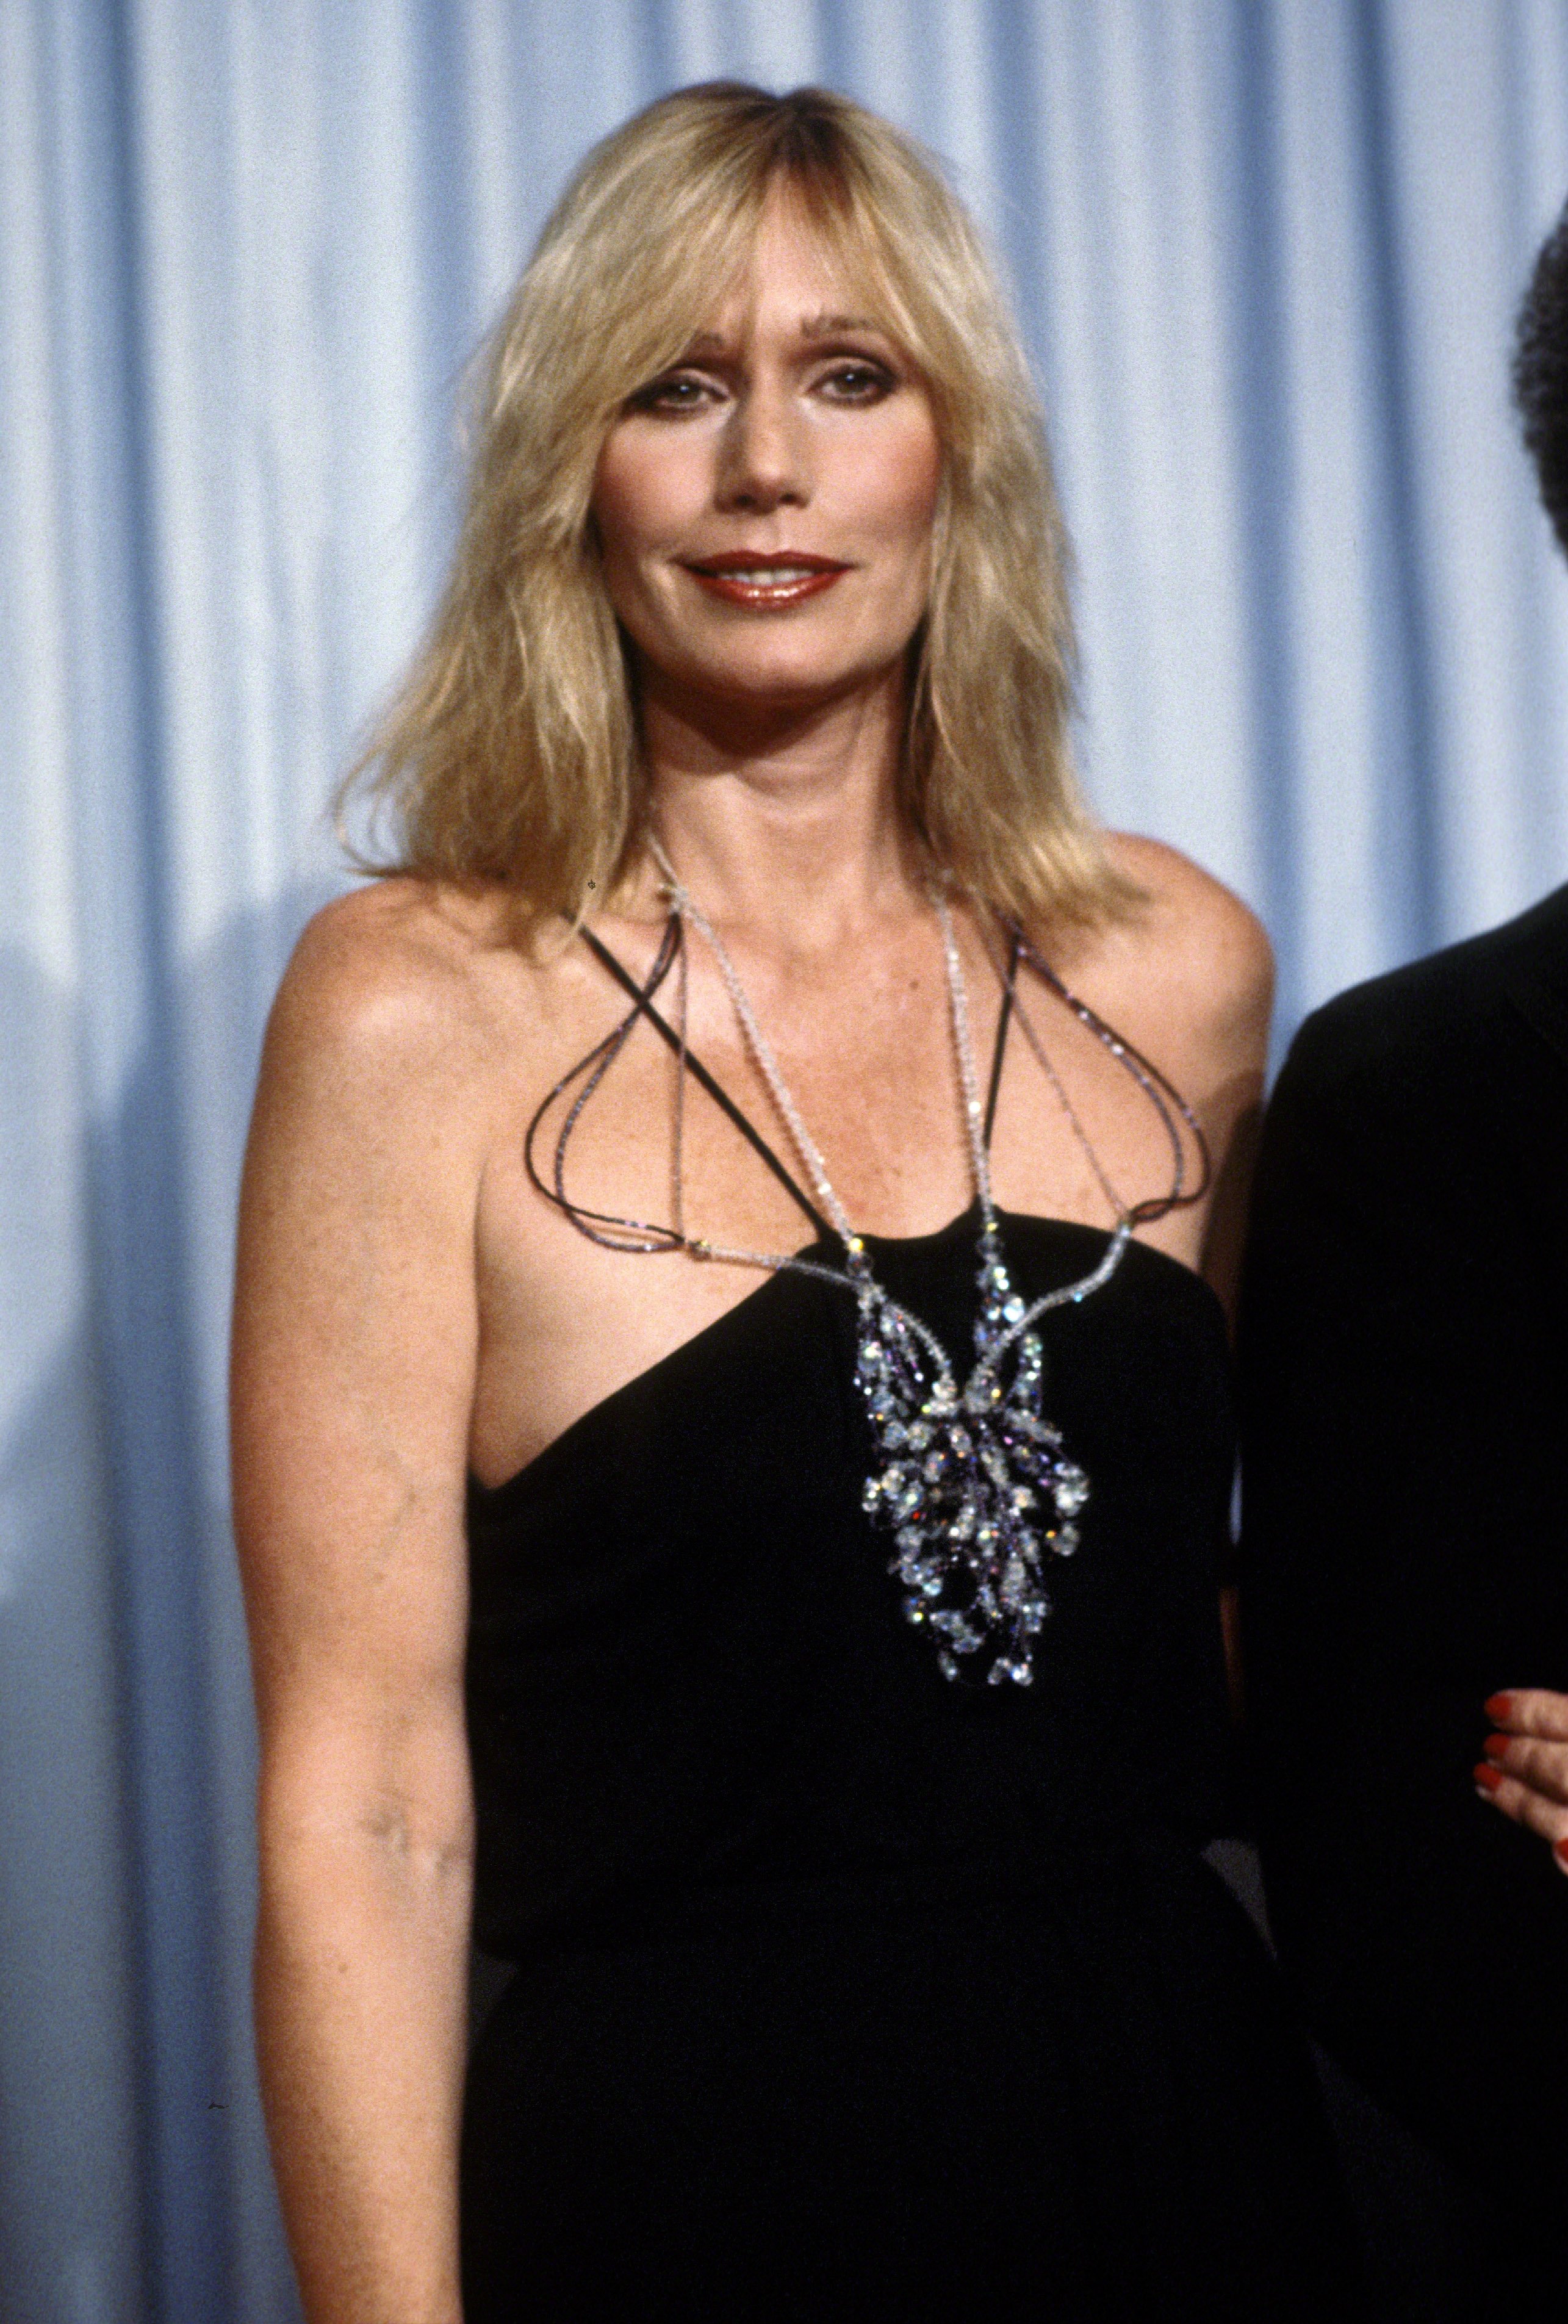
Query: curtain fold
(1266, 253)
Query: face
(766, 507)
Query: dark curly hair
(1541, 374)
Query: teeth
(762, 577)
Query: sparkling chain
(974, 1482)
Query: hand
(1525, 1772)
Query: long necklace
(972, 1479)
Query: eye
(673, 396)
(856, 379)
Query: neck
(784, 822)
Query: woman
(673, 1315)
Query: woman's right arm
(353, 1359)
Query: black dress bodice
(688, 1674)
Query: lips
(766, 582)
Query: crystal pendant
(973, 1484)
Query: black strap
(705, 1080)
(591, 1071)
(1004, 1020)
(1157, 1086)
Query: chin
(783, 680)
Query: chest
(587, 1188)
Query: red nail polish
(1488, 1777)
(1496, 1745)
(1498, 1707)
(1560, 1850)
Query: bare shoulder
(387, 969)
(1193, 921)
(393, 996)
(380, 1090)
(1208, 951)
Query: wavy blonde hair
(510, 753)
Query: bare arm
(1235, 1119)
(1214, 961)
(353, 1355)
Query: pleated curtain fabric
(1266, 253)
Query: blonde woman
(732, 1446)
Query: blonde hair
(511, 751)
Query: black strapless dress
(844, 1991)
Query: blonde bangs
(511, 752)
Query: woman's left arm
(1525, 1772)
(1213, 965)
(1238, 1003)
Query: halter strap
(641, 999)
(1004, 1019)
(643, 1006)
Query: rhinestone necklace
(971, 1478)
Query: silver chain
(690, 912)
(974, 1484)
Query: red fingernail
(1488, 1777)
(1560, 1850)
(1498, 1707)
(1496, 1745)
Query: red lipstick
(766, 580)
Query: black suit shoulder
(1423, 1008)
(1406, 1199)
(1432, 1084)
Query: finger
(1530, 1711)
(1543, 1767)
(1523, 1806)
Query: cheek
(628, 503)
(617, 504)
(643, 491)
(912, 480)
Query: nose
(763, 460)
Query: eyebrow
(812, 328)
(828, 326)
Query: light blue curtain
(1266, 252)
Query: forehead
(797, 279)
